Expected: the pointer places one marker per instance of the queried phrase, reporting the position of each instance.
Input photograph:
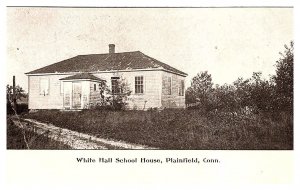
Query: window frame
(139, 88)
(48, 86)
(181, 88)
(113, 86)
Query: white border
(143, 3)
(146, 3)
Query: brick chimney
(111, 48)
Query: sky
(227, 42)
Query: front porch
(80, 90)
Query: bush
(21, 108)
(9, 109)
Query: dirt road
(74, 139)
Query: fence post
(14, 94)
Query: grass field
(179, 129)
(15, 139)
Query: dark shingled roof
(105, 62)
(82, 76)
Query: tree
(114, 98)
(117, 96)
(20, 93)
(201, 90)
(190, 96)
(283, 79)
(103, 88)
(261, 93)
(242, 93)
(253, 95)
(225, 98)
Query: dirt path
(75, 139)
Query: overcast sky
(228, 43)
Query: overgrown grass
(15, 139)
(179, 129)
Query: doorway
(77, 94)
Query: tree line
(250, 95)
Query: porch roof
(82, 76)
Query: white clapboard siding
(172, 100)
(153, 96)
(152, 87)
(53, 100)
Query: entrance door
(77, 93)
(67, 90)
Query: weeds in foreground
(179, 129)
(15, 139)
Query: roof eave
(177, 73)
(110, 71)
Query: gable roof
(106, 62)
(82, 76)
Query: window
(115, 86)
(139, 84)
(95, 87)
(181, 88)
(44, 86)
(167, 85)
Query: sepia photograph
(137, 78)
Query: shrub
(21, 108)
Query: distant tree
(261, 93)
(190, 97)
(284, 79)
(20, 93)
(225, 98)
(201, 90)
(242, 93)
(253, 95)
